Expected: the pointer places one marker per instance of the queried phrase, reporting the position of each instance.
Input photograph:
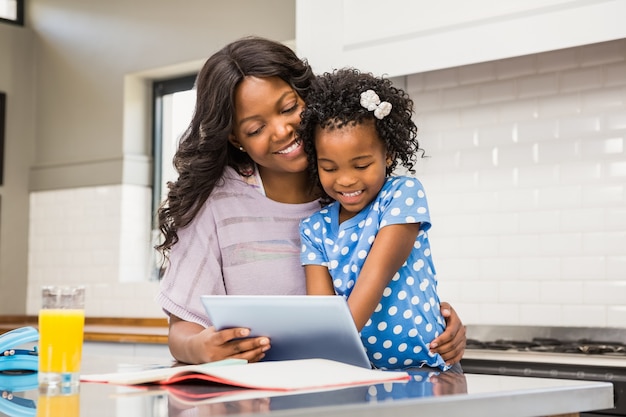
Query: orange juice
(58, 406)
(60, 339)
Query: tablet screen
(299, 326)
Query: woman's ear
(235, 143)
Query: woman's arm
(451, 343)
(191, 343)
(390, 250)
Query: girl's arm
(318, 280)
(390, 250)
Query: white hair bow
(371, 101)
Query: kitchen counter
(106, 329)
(426, 394)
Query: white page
(271, 375)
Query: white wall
(75, 200)
(92, 126)
(98, 237)
(527, 185)
(16, 80)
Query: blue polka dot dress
(408, 316)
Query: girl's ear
(389, 160)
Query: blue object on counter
(18, 372)
(14, 359)
(12, 404)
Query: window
(174, 101)
(12, 11)
(2, 121)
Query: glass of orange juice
(61, 326)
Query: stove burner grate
(549, 345)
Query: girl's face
(352, 163)
(267, 115)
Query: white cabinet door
(399, 37)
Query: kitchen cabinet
(400, 37)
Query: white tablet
(299, 326)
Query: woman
(230, 221)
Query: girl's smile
(354, 194)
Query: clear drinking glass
(61, 328)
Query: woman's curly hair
(204, 151)
(334, 101)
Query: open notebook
(302, 374)
(299, 326)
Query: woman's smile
(291, 148)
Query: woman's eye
(255, 132)
(291, 109)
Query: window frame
(161, 88)
(19, 19)
(3, 98)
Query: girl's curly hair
(334, 101)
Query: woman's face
(267, 115)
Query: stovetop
(577, 346)
(551, 345)
(551, 352)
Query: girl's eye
(361, 167)
(327, 169)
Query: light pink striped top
(240, 242)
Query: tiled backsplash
(98, 237)
(525, 174)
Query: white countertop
(490, 395)
(448, 395)
(427, 394)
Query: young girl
(371, 245)
(230, 221)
